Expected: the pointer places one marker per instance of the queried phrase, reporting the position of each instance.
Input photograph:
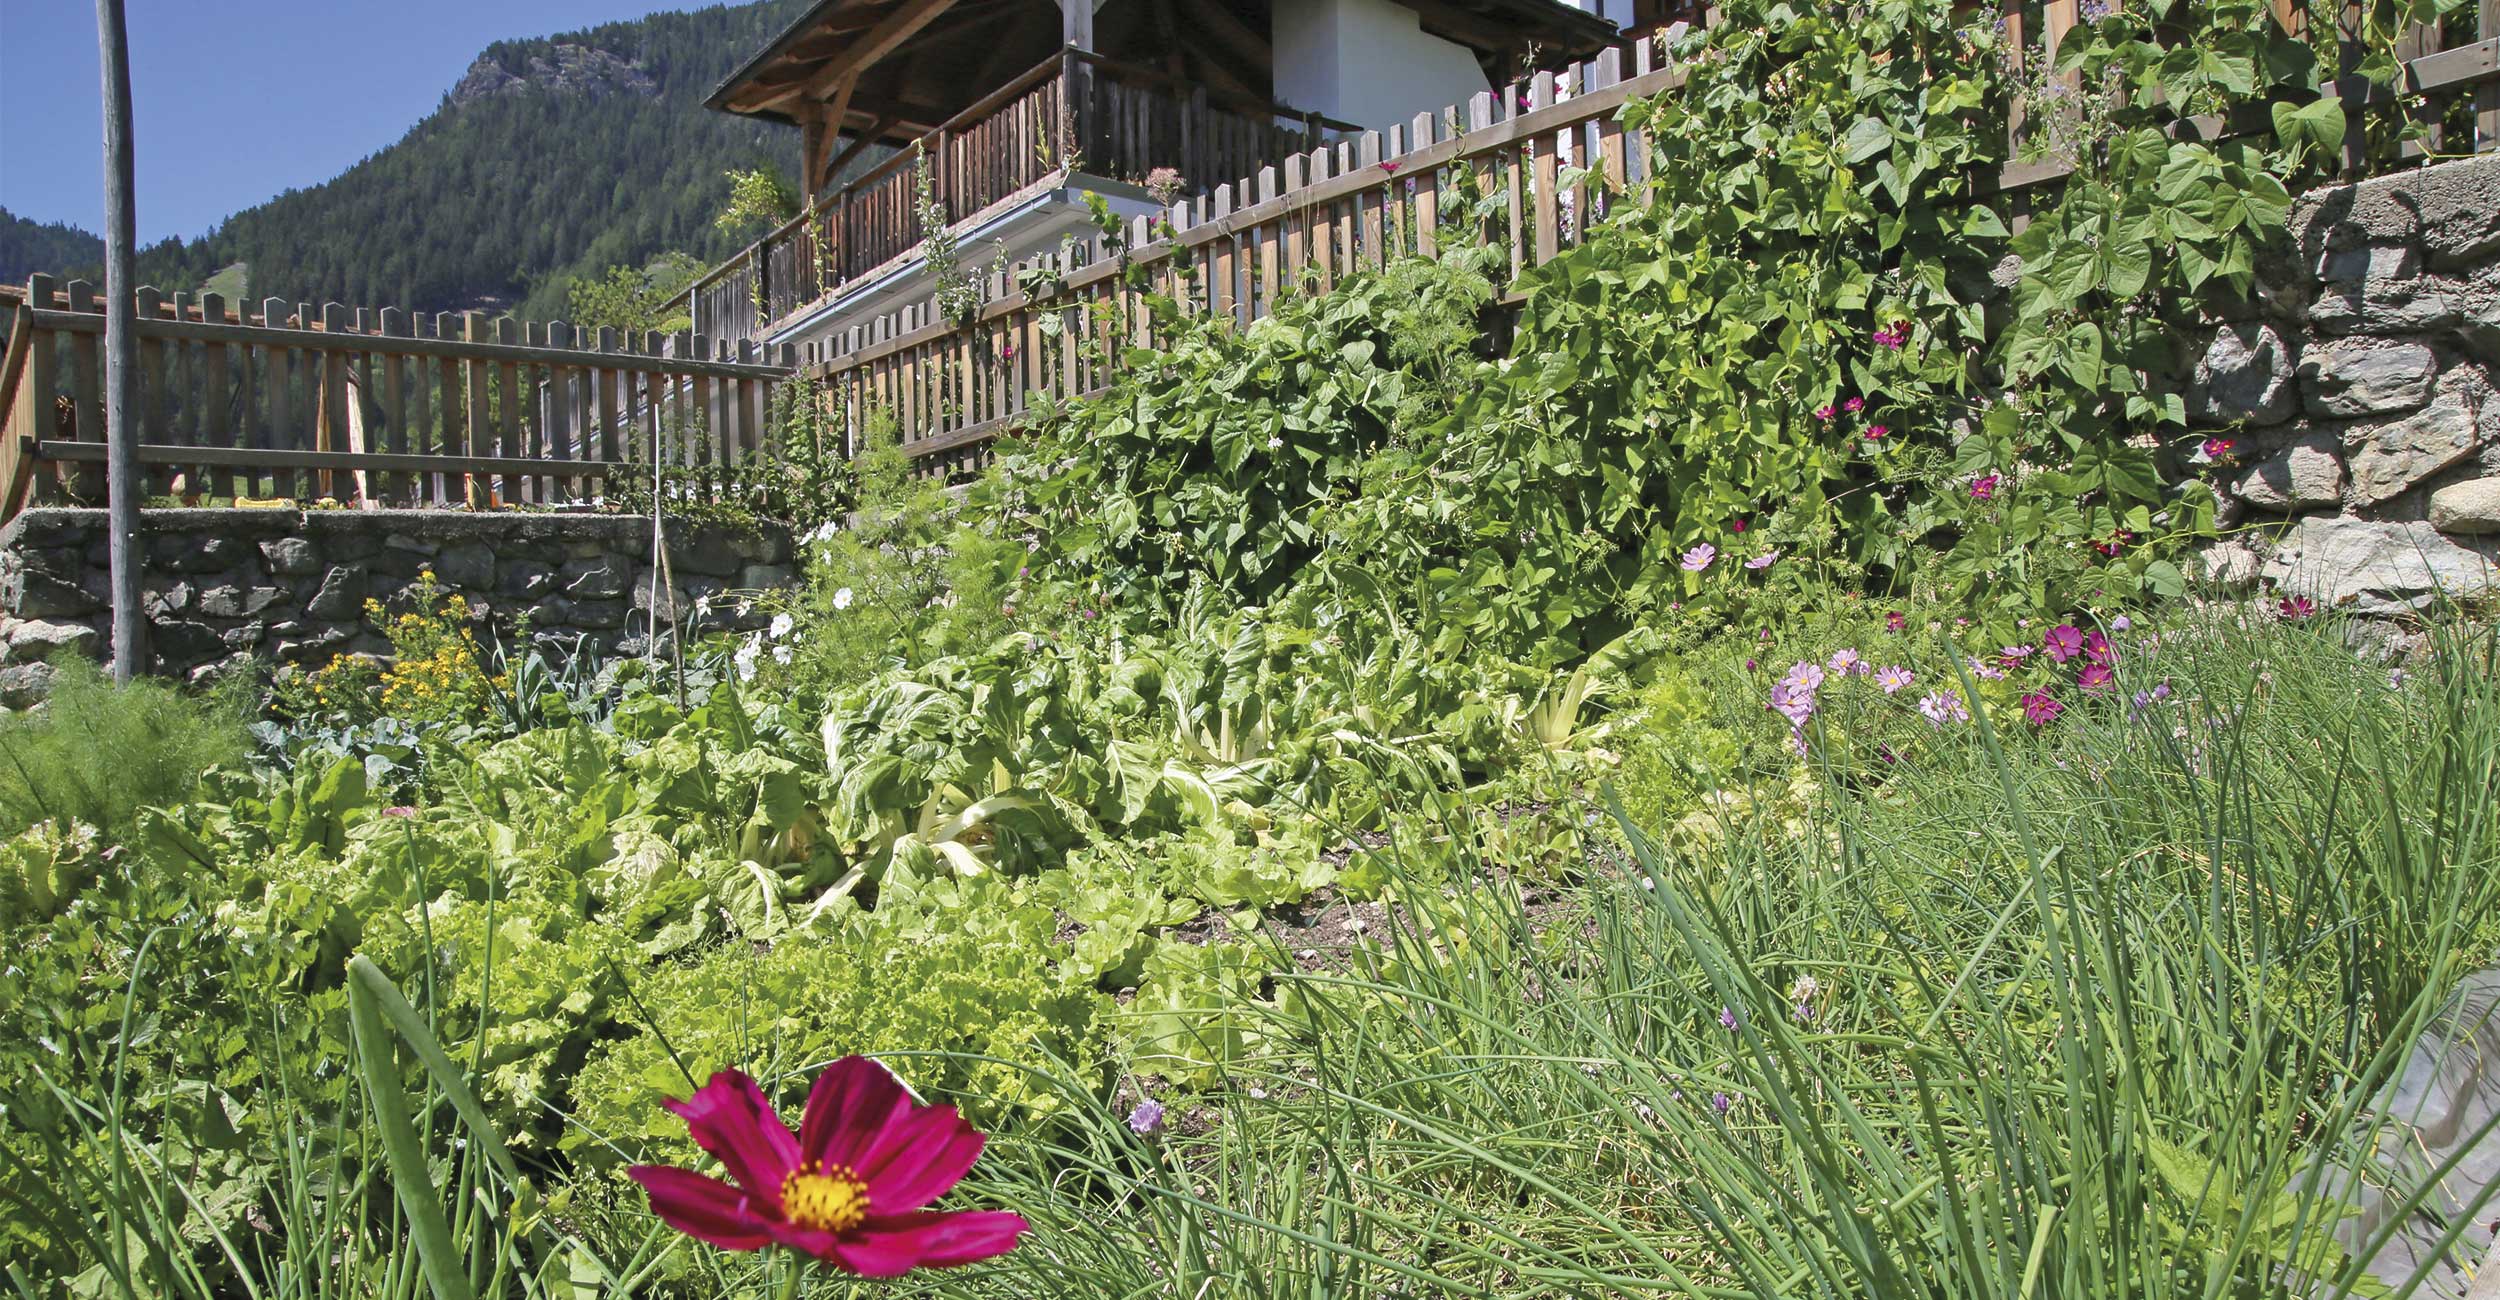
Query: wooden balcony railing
(1075, 112)
(374, 409)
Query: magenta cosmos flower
(2041, 708)
(2063, 642)
(850, 1188)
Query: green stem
(790, 1280)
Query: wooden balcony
(1074, 114)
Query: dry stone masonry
(2364, 398)
(290, 586)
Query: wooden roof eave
(799, 30)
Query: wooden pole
(121, 371)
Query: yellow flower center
(826, 1200)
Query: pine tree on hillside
(556, 159)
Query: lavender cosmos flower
(1892, 678)
(1792, 703)
(1147, 1119)
(1763, 561)
(1699, 558)
(1943, 707)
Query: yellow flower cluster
(448, 680)
(437, 671)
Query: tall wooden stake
(121, 370)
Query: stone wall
(289, 586)
(2362, 396)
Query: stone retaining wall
(289, 586)
(2363, 399)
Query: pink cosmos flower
(1763, 561)
(1854, 405)
(1389, 167)
(1804, 675)
(2063, 642)
(1986, 670)
(1943, 707)
(2096, 677)
(1736, 525)
(2295, 607)
(2096, 647)
(849, 1189)
(1846, 662)
(1985, 486)
(1875, 431)
(2013, 655)
(2213, 449)
(1895, 620)
(1699, 558)
(2041, 708)
(1893, 678)
(1825, 413)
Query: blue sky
(322, 83)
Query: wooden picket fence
(375, 408)
(1551, 151)
(388, 408)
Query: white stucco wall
(1368, 62)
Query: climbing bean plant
(1819, 340)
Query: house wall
(1367, 62)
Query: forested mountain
(551, 158)
(29, 246)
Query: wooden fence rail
(1550, 153)
(374, 408)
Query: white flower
(745, 658)
(842, 598)
(781, 654)
(1275, 443)
(702, 607)
(782, 623)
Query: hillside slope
(30, 246)
(551, 158)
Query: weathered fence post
(121, 234)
